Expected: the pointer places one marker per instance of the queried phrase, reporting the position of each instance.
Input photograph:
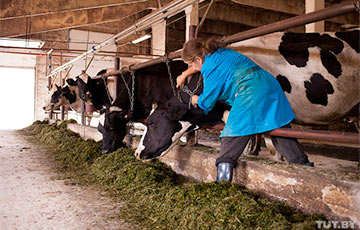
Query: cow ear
(175, 110)
(155, 106)
(177, 113)
(71, 82)
(57, 87)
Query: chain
(186, 89)
(166, 60)
(128, 90)
(131, 96)
(132, 91)
(107, 90)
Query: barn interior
(63, 30)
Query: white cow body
(265, 52)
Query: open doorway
(16, 97)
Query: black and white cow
(319, 74)
(168, 122)
(66, 95)
(152, 84)
(74, 93)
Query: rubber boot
(224, 172)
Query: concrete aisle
(31, 197)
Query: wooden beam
(286, 6)
(246, 15)
(68, 19)
(296, 7)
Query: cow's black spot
(351, 37)
(330, 63)
(294, 48)
(317, 89)
(71, 96)
(284, 83)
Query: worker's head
(194, 51)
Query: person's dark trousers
(231, 149)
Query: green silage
(154, 197)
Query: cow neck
(74, 99)
(71, 96)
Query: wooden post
(310, 6)
(158, 40)
(192, 19)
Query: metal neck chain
(186, 89)
(107, 90)
(130, 93)
(166, 60)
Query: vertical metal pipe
(83, 117)
(116, 79)
(62, 109)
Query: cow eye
(150, 123)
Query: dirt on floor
(31, 196)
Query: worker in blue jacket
(258, 102)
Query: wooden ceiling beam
(17, 26)
(297, 7)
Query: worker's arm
(181, 79)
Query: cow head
(163, 130)
(80, 82)
(60, 97)
(113, 129)
(93, 90)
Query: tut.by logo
(335, 224)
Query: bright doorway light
(16, 97)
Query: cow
(152, 84)
(66, 95)
(168, 122)
(319, 74)
(72, 94)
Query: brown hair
(195, 47)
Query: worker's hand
(194, 100)
(180, 80)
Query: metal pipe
(340, 137)
(333, 11)
(147, 21)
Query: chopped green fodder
(154, 197)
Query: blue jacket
(257, 100)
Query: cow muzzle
(48, 107)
